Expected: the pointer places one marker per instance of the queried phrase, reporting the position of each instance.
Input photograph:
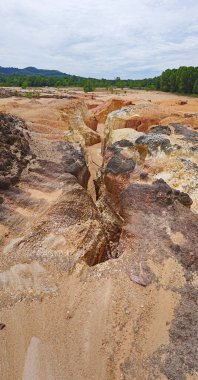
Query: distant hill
(31, 71)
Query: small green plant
(24, 85)
(88, 86)
(28, 95)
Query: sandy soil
(43, 115)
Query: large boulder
(139, 118)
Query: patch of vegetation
(88, 86)
(183, 80)
(29, 95)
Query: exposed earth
(98, 235)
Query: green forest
(183, 80)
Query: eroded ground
(98, 253)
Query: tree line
(183, 80)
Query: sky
(99, 38)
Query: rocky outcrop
(167, 152)
(81, 125)
(102, 111)
(70, 230)
(143, 117)
(138, 118)
(73, 161)
(14, 150)
(188, 134)
(160, 248)
(156, 245)
(129, 118)
(148, 144)
(118, 135)
(160, 129)
(65, 226)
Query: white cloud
(127, 38)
